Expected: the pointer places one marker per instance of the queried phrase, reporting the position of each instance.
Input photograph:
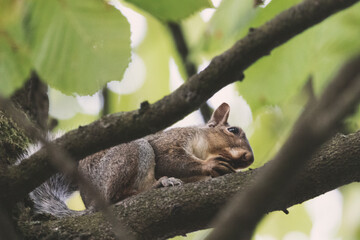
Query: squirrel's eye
(234, 130)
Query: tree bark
(167, 212)
(12, 141)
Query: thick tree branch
(224, 69)
(167, 212)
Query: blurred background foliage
(101, 57)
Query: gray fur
(186, 154)
(146, 165)
(50, 197)
(119, 172)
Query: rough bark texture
(223, 69)
(168, 212)
(12, 141)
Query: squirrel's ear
(220, 116)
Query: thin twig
(190, 67)
(106, 103)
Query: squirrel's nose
(249, 157)
(246, 159)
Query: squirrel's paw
(167, 182)
(217, 167)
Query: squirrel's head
(228, 143)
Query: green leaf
(267, 129)
(229, 19)
(14, 67)
(14, 63)
(78, 46)
(171, 10)
(270, 11)
(271, 127)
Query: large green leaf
(14, 63)
(78, 46)
(14, 67)
(171, 10)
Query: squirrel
(167, 158)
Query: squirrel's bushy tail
(50, 197)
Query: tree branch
(223, 69)
(167, 212)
